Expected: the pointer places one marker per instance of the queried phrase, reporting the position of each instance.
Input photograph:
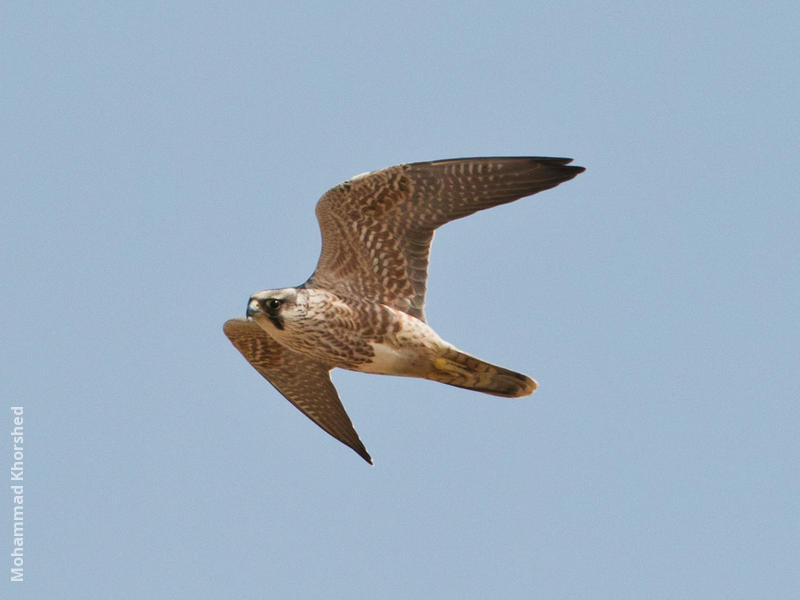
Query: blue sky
(161, 163)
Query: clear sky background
(161, 162)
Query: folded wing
(305, 382)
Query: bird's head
(273, 308)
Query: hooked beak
(253, 307)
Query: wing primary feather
(377, 228)
(305, 382)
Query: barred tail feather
(465, 371)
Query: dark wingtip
(561, 162)
(553, 160)
(365, 455)
(362, 452)
(573, 171)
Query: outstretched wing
(305, 382)
(377, 228)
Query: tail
(465, 371)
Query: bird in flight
(363, 307)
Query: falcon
(363, 307)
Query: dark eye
(273, 304)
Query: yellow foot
(448, 366)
